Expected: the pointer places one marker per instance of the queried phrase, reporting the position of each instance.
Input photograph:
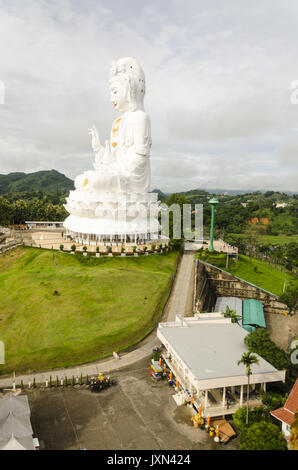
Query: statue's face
(120, 95)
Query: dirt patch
(9, 257)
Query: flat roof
(211, 350)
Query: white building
(203, 351)
(16, 432)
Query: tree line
(19, 211)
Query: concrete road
(137, 413)
(181, 300)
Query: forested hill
(45, 181)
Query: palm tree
(248, 359)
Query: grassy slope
(266, 276)
(274, 239)
(104, 305)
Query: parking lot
(137, 413)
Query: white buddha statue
(123, 164)
(113, 201)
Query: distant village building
(44, 224)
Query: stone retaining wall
(213, 282)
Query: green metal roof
(252, 313)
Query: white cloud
(218, 79)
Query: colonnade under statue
(135, 238)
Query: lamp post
(212, 201)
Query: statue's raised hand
(96, 145)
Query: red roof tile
(286, 414)
(292, 401)
(283, 415)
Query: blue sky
(218, 87)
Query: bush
(84, 249)
(73, 248)
(290, 296)
(175, 244)
(274, 400)
(254, 416)
(262, 436)
(97, 249)
(61, 247)
(259, 342)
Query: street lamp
(212, 201)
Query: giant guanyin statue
(112, 202)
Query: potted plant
(110, 250)
(73, 249)
(85, 250)
(61, 247)
(97, 252)
(134, 249)
(153, 247)
(145, 250)
(123, 251)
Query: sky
(218, 87)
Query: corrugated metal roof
(252, 313)
(234, 303)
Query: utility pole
(212, 201)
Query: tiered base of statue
(99, 217)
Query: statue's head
(127, 84)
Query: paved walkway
(179, 302)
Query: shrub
(73, 247)
(254, 416)
(134, 249)
(262, 436)
(290, 296)
(61, 247)
(84, 249)
(97, 249)
(274, 400)
(155, 355)
(153, 247)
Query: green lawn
(258, 272)
(104, 305)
